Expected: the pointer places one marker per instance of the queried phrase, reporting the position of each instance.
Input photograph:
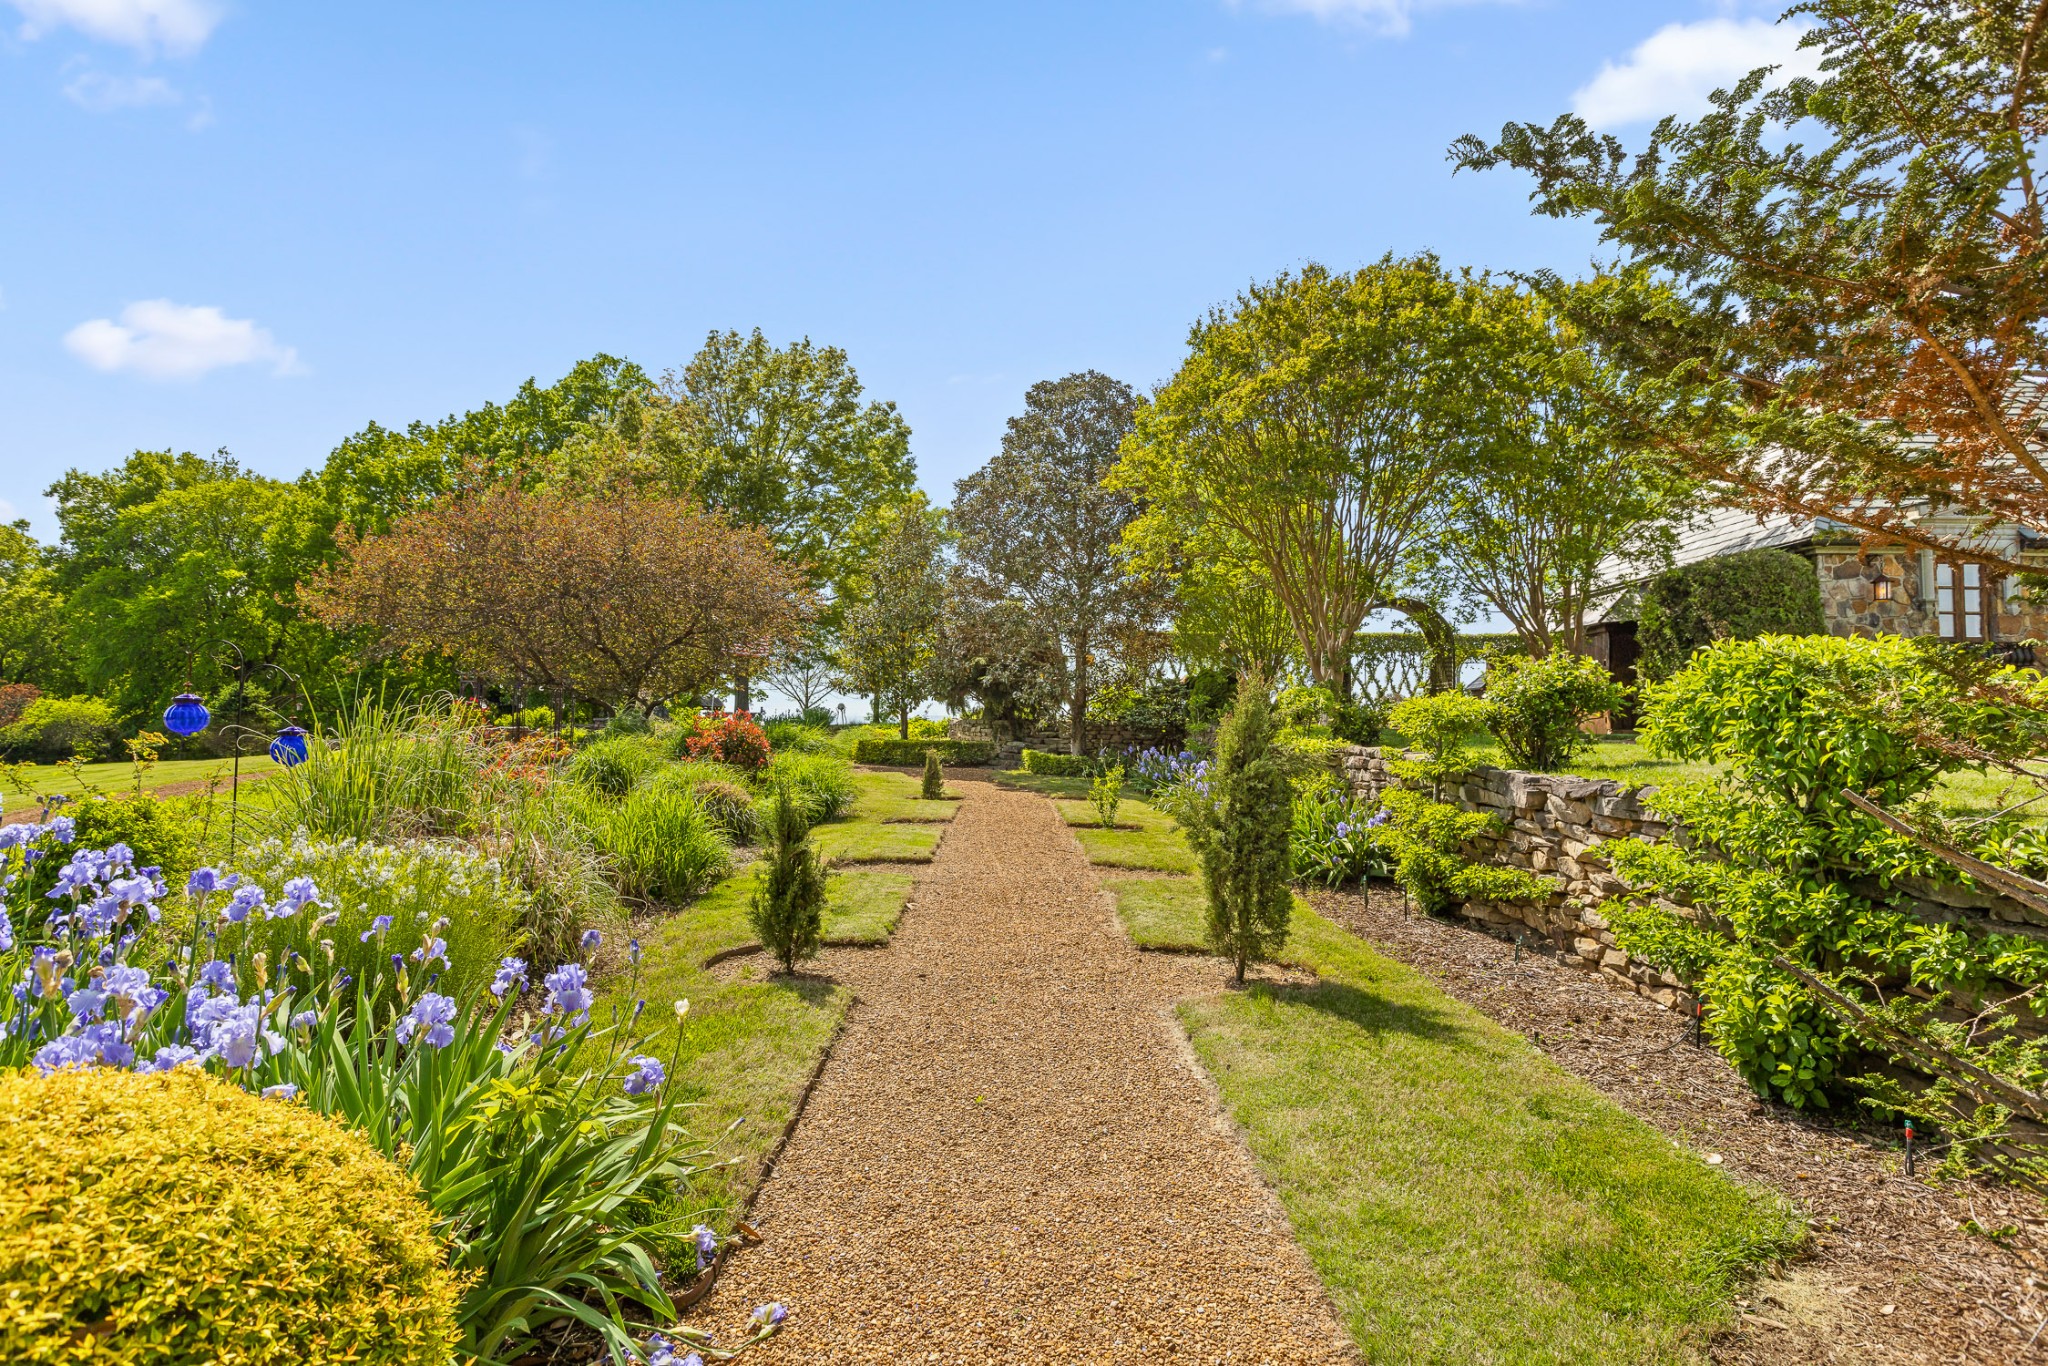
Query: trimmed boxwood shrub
(1733, 597)
(172, 1218)
(910, 753)
(1058, 765)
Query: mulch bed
(1897, 1271)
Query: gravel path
(1010, 1156)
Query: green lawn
(1044, 783)
(1463, 1198)
(1153, 845)
(886, 795)
(23, 783)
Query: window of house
(1959, 600)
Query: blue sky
(260, 225)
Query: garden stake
(1909, 1147)
(1699, 1010)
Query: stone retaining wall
(1551, 822)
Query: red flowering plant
(730, 737)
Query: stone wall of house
(1849, 579)
(1550, 824)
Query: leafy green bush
(1107, 793)
(1537, 706)
(787, 911)
(910, 753)
(137, 1212)
(1210, 693)
(662, 843)
(802, 737)
(933, 786)
(1424, 839)
(1158, 705)
(159, 830)
(627, 721)
(1441, 727)
(1246, 865)
(821, 784)
(1777, 854)
(60, 727)
(1319, 708)
(429, 890)
(1731, 597)
(613, 764)
(1057, 765)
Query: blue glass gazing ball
(186, 715)
(289, 747)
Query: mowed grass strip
(745, 1049)
(1151, 844)
(118, 779)
(886, 795)
(1463, 1198)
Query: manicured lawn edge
(1462, 1197)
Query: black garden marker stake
(1699, 1011)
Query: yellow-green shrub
(172, 1218)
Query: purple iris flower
(432, 1018)
(282, 1091)
(567, 994)
(246, 899)
(511, 977)
(591, 939)
(377, 928)
(647, 1074)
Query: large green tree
(1317, 420)
(889, 644)
(1558, 485)
(1851, 269)
(32, 634)
(782, 439)
(1038, 525)
(170, 556)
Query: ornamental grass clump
(822, 784)
(1246, 864)
(612, 765)
(173, 1218)
(788, 908)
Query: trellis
(1388, 666)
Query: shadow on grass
(1368, 1010)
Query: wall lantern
(289, 747)
(1881, 589)
(186, 715)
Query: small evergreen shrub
(1537, 706)
(168, 1219)
(788, 908)
(1057, 765)
(1107, 793)
(1732, 597)
(612, 765)
(894, 753)
(1246, 863)
(934, 786)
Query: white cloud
(163, 340)
(173, 26)
(1675, 69)
(101, 93)
(1390, 17)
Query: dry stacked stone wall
(1549, 825)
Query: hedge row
(1058, 765)
(910, 753)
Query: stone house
(1865, 589)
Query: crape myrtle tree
(620, 600)
(1038, 526)
(1850, 268)
(1556, 485)
(1317, 420)
(890, 641)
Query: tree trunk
(903, 722)
(1078, 703)
(741, 698)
